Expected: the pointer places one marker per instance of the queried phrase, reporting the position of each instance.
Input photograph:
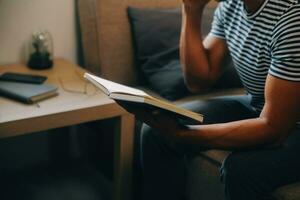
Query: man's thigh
(269, 167)
(223, 109)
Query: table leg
(123, 157)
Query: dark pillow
(154, 31)
(156, 34)
(164, 74)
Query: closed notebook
(25, 92)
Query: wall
(19, 18)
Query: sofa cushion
(155, 30)
(167, 80)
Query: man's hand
(164, 122)
(167, 126)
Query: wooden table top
(65, 109)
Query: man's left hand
(164, 122)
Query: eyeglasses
(88, 88)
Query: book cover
(25, 92)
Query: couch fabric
(108, 51)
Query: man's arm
(201, 60)
(278, 118)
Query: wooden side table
(71, 108)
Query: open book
(124, 93)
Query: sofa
(108, 51)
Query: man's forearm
(234, 135)
(192, 52)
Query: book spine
(15, 96)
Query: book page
(113, 87)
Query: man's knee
(244, 178)
(242, 170)
(235, 171)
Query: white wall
(19, 18)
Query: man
(263, 39)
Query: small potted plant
(40, 51)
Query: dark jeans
(247, 175)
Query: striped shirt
(261, 43)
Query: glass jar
(40, 51)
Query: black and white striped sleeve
(217, 28)
(285, 46)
